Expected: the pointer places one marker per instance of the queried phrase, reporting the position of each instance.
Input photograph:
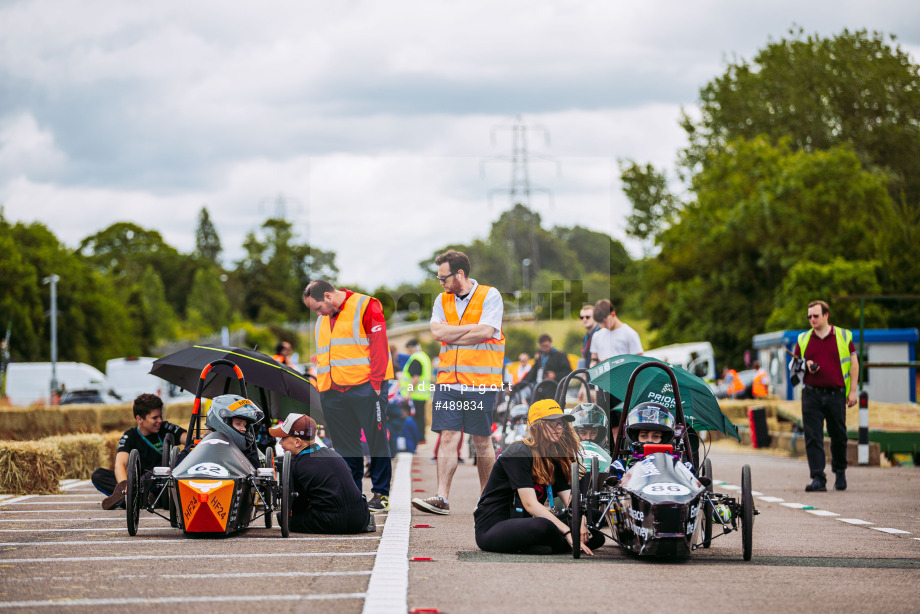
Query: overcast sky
(375, 119)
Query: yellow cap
(547, 409)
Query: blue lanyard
(312, 448)
(550, 497)
(147, 441)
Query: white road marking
(795, 506)
(771, 499)
(756, 493)
(388, 588)
(855, 521)
(57, 603)
(54, 502)
(109, 519)
(180, 576)
(153, 557)
(17, 499)
(890, 531)
(76, 484)
(166, 540)
(730, 487)
(42, 512)
(821, 513)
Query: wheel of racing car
(707, 507)
(267, 505)
(169, 443)
(173, 457)
(285, 494)
(133, 491)
(576, 512)
(747, 513)
(173, 511)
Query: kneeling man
(327, 501)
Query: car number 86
(665, 489)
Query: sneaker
(432, 505)
(116, 499)
(817, 485)
(841, 482)
(371, 525)
(433, 460)
(460, 461)
(379, 503)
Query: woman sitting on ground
(511, 516)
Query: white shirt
(492, 309)
(623, 340)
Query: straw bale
(116, 417)
(178, 413)
(80, 418)
(109, 447)
(82, 454)
(30, 467)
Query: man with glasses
(467, 319)
(587, 320)
(831, 367)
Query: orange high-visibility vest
(735, 385)
(759, 387)
(343, 354)
(470, 365)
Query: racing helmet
(648, 416)
(228, 406)
(590, 416)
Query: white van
(126, 378)
(697, 358)
(30, 382)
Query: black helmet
(648, 417)
(590, 416)
(224, 409)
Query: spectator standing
(283, 351)
(550, 363)
(587, 320)
(467, 319)
(615, 337)
(352, 368)
(416, 385)
(831, 366)
(761, 386)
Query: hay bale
(109, 447)
(178, 413)
(14, 423)
(80, 418)
(116, 417)
(81, 454)
(30, 467)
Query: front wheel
(575, 527)
(169, 442)
(267, 492)
(285, 494)
(133, 492)
(708, 510)
(747, 514)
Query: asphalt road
(846, 554)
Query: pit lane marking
(213, 576)
(57, 603)
(165, 540)
(795, 506)
(855, 521)
(771, 499)
(890, 531)
(154, 557)
(821, 513)
(17, 499)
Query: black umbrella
(276, 388)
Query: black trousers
(104, 481)
(334, 522)
(347, 413)
(523, 534)
(420, 418)
(820, 406)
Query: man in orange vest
(732, 382)
(761, 386)
(467, 320)
(352, 367)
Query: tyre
(173, 491)
(747, 513)
(575, 527)
(133, 492)
(169, 442)
(285, 494)
(707, 508)
(267, 491)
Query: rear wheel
(267, 492)
(747, 513)
(285, 494)
(707, 510)
(576, 512)
(133, 492)
(169, 442)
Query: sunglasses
(813, 317)
(585, 317)
(444, 278)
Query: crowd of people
(374, 407)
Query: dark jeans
(818, 406)
(525, 534)
(347, 413)
(104, 481)
(420, 417)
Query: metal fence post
(862, 449)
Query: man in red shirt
(352, 368)
(831, 372)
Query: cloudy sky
(380, 122)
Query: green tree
(654, 207)
(208, 307)
(760, 209)
(207, 241)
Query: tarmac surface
(854, 550)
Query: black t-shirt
(555, 361)
(150, 447)
(512, 470)
(326, 491)
(415, 368)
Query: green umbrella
(701, 409)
